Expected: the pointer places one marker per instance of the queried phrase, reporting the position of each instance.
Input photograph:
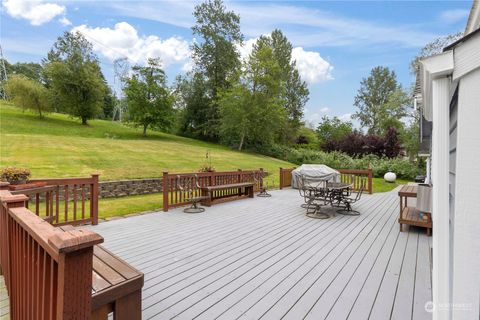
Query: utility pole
(121, 68)
(3, 76)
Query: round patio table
(334, 195)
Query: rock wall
(123, 188)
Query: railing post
(370, 176)
(165, 191)
(75, 264)
(94, 199)
(7, 201)
(261, 179)
(281, 178)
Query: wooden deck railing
(65, 201)
(174, 197)
(48, 271)
(346, 175)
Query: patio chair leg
(348, 211)
(316, 213)
(194, 208)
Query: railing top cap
(7, 197)
(57, 239)
(75, 239)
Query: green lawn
(380, 185)
(59, 146)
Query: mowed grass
(380, 185)
(59, 146)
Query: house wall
(466, 241)
(452, 178)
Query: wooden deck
(262, 258)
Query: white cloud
(455, 15)
(35, 11)
(346, 117)
(311, 66)
(64, 21)
(324, 110)
(247, 48)
(323, 28)
(124, 41)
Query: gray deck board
(262, 258)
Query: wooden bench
(61, 272)
(116, 287)
(219, 193)
(410, 215)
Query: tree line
(254, 102)
(240, 102)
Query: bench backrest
(174, 196)
(47, 270)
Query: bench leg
(129, 307)
(250, 192)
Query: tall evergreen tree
(252, 109)
(216, 59)
(294, 92)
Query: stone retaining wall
(123, 188)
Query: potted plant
(207, 166)
(15, 175)
(18, 179)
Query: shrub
(392, 143)
(15, 175)
(339, 160)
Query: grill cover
(314, 172)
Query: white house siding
(466, 192)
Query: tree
(294, 92)
(73, 75)
(251, 109)
(30, 70)
(192, 100)
(27, 93)
(332, 129)
(379, 99)
(215, 55)
(150, 103)
(434, 47)
(109, 101)
(410, 136)
(392, 143)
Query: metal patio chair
(315, 193)
(263, 191)
(347, 201)
(190, 186)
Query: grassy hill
(59, 146)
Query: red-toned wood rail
(47, 270)
(67, 201)
(173, 196)
(353, 176)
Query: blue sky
(336, 42)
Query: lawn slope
(59, 146)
